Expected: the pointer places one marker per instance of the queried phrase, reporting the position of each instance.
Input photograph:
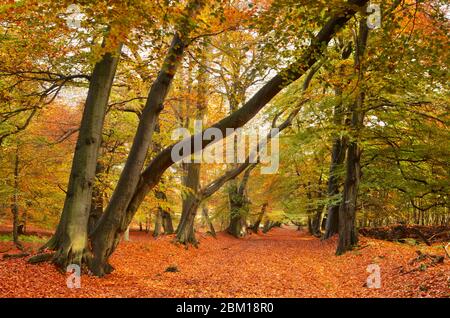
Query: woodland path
(281, 263)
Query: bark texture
(255, 226)
(192, 179)
(239, 206)
(70, 239)
(337, 159)
(347, 211)
(208, 222)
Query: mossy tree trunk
(338, 151)
(97, 198)
(208, 222)
(255, 226)
(239, 205)
(347, 212)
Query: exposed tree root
(10, 256)
(5, 250)
(427, 234)
(187, 239)
(421, 257)
(40, 258)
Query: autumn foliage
(281, 263)
(94, 93)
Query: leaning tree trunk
(110, 227)
(268, 225)
(158, 223)
(115, 221)
(70, 239)
(347, 212)
(126, 235)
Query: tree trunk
(239, 205)
(186, 231)
(164, 218)
(97, 199)
(192, 178)
(15, 203)
(316, 223)
(337, 159)
(238, 224)
(255, 226)
(268, 225)
(211, 229)
(70, 239)
(23, 222)
(167, 222)
(158, 223)
(347, 211)
(114, 220)
(126, 235)
(152, 174)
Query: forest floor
(281, 263)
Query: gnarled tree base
(187, 238)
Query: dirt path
(282, 263)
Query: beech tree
(367, 144)
(72, 242)
(70, 239)
(114, 220)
